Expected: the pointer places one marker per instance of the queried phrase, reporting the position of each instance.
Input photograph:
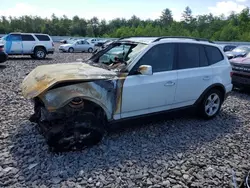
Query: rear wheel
(40, 53)
(90, 50)
(211, 104)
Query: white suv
(74, 101)
(35, 44)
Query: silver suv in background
(36, 45)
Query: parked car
(77, 46)
(74, 102)
(119, 52)
(239, 51)
(100, 43)
(65, 41)
(3, 54)
(93, 41)
(228, 47)
(34, 44)
(241, 71)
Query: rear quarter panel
(221, 72)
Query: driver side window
(160, 57)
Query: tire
(90, 50)
(71, 50)
(84, 131)
(40, 53)
(211, 104)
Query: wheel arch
(217, 86)
(96, 104)
(40, 46)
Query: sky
(110, 9)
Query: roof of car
(148, 40)
(28, 33)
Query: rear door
(14, 44)
(28, 43)
(194, 74)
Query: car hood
(240, 60)
(234, 53)
(44, 77)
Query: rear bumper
(241, 80)
(228, 89)
(51, 51)
(3, 57)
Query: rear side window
(14, 37)
(42, 37)
(213, 54)
(203, 57)
(189, 56)
(27, 38)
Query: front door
(144, 94)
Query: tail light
(1, 48)
(231, 74)
(53, 44)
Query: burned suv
(74, 102)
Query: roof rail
(183, 37)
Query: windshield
(241, 49)
(120, 55)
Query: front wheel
(211, 104)
(71, 50)
(82, 132)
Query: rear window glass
(43, 37)
(27, 38)
(213, 54)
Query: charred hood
(44, 77)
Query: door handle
(170, 83)
(206, 78)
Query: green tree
(166, 17)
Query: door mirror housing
(145, 70)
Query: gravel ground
(158, 152)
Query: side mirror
(145, 70)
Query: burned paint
(44, 77)
(119, 89)
(92, 91)
(101, 86)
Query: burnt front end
(75, 126)
(241, 75)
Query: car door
(144, 94)
(14, 44)
(28, 43)
(194, 74)
(77, 46)
(85, 46)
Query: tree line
(234, 27)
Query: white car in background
(93, 41)
(37, 45)
(77, 46)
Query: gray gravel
(158, 152)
